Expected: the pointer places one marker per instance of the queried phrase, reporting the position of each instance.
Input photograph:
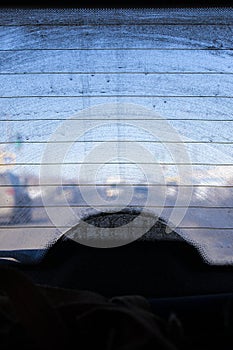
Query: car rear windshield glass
(104, 111)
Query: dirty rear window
(111, 110)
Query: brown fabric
(40, 317)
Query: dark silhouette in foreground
(145, 295)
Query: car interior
(141, 267)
